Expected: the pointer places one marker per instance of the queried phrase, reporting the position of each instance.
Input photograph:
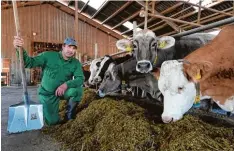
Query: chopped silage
(109, 124)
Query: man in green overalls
(58, 69)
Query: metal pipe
(209, 26)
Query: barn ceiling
(164, 18)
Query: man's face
(69, 50)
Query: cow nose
(144, 66)
(167, 119)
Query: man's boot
(71, 109)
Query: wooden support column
(199, 12)
(76, 27)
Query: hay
(108, 124)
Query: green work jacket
(56, 70)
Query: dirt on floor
(27, 141)
(114, 123)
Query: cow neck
(219, 84)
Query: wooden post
(199, 12)
(95, 51)
(146, 14)
(76, 28)
(134, 28)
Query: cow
(94, 67)
(208, 71)
(126, 71)
(104, 65)
(151, 51)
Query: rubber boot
(71, 109)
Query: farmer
(58, 69)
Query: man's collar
(61, 56)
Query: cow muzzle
(144, 66)
(100, 93)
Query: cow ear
(124, 45)
(166, 42)
(197, 72)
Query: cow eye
(154, 44)
(180, 88)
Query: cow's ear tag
(198, 76)
(155, 60)
(162, 44)
(128, 48)
(197, 99)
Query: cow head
(94, 67)
(146, 48)
(111, 81)
(177, 83)
(106, 61)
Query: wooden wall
(50, 25)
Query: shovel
(26, 115)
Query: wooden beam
(153, 18)
(127, 19)
(153, 7)
(169, 22)
(175, 20)
(88, 20)
(203, 20)
(172, 16)
(199, 12)
(85, 5)
(138, 26)
(211, 17)
(100, 8)
(117, 11)
(31, 3)
(210, 9)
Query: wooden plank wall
(50, 25)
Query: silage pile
(107, 124)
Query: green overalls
(56, 71)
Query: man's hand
(18, 42)
(61, 90)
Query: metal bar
(100, 8)
(175, 20)
(117, 11)
(210, 9)
(209, 26)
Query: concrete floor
(27, 141)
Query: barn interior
(45, 24)
(115, 122)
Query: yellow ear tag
(162, 44)
(198, 76)
(128, 48)
(197, 99)
(155, 60)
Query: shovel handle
(20, 49)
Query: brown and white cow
(212, 67)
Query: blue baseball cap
(70, 41)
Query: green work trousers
(51, 102)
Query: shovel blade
(25, 118)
